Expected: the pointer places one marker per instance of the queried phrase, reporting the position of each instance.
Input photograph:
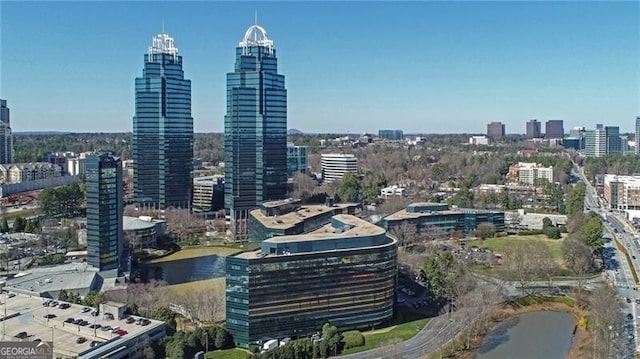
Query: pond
(188, 269)
(531, 335)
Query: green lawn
(497, 244)
(374, 339)
(228, 354)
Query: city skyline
(427, 67)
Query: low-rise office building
(335, 165)
(623, 193)
(427, 216)
(51, 324)
(142, 232)
(288, 217)
(208, 194)
(529, 173)
(343, 273)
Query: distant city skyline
(352, 67)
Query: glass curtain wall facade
(162, 145)
(6, 138)
(255, 130)
(104, 211)
(294, 294)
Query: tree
(552, 232)
(592, 230)
(303, 186)
(577, 257)
(405, 232)
(485, 230)
(606, 315)
(4, 225)
(19, 224)
(435, 271)
(349, 188)
(372, 183)
(546, 222)
(222, 339)
(575, 199)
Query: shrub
(352, 339)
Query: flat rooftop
(357, 228)
(292, 218)
(54, 278)
(26, 314)
(403, 214)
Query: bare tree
(577, 256)
(391, 205)
(204, 305)
(303, 186)
(485, 230)
(606, 316)
(518, 265)
(183, 225)
(541, 261)
(405, 232)
(412, 261)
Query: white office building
(335, 165)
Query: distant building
(614, 142)
(143, 231)
(297, 159)
(554, 129)
(428, 217)
(595, 142)
(573, 143)
(478, 140)
(622, 192)
(392, 191)
(637, 136)
(343, 273)
(104, 212)
(6, 137)
(25, 172)
(495, 130)
(162, 142)
(335, 165)
(528, 173)
(208, 194)
(391, 135)
(533, 129)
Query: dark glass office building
(343, 273)
(104, 211)
(162, 129)
(255, 130)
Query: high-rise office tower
(637, 137)
(533, 129)
(495, 130)
(6, 138)
(162, 129)
(595, 142)
(104, 211)
(614, 143)
(255, 130)
(554, 129)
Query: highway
(618, 271)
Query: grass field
(374, 339)
(215, 284)
(498, 244)
(196, 252)
(228, 354)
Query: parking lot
(32, 320)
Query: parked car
(145, 322)
(37, 340)
(106, 328)
(53, 303)
(129, 320)
(85, 309)
(11, 295)
(64, 305)
(95, 326)
(81, 340)
(94, 344)
(21, 335)
(49, 316)
(69, 320)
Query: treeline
(63, 201)
(614, 164)
(330, 344)
(187, 344)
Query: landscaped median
(378, 338)
(622, 249)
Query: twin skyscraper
(255, 130)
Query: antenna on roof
(255, 18)
(163, 26)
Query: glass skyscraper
(255, 130)
(104, 211)
(162, 129)
(6, 138)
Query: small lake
(530, 336)
(188, 269)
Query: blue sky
(429, 67)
